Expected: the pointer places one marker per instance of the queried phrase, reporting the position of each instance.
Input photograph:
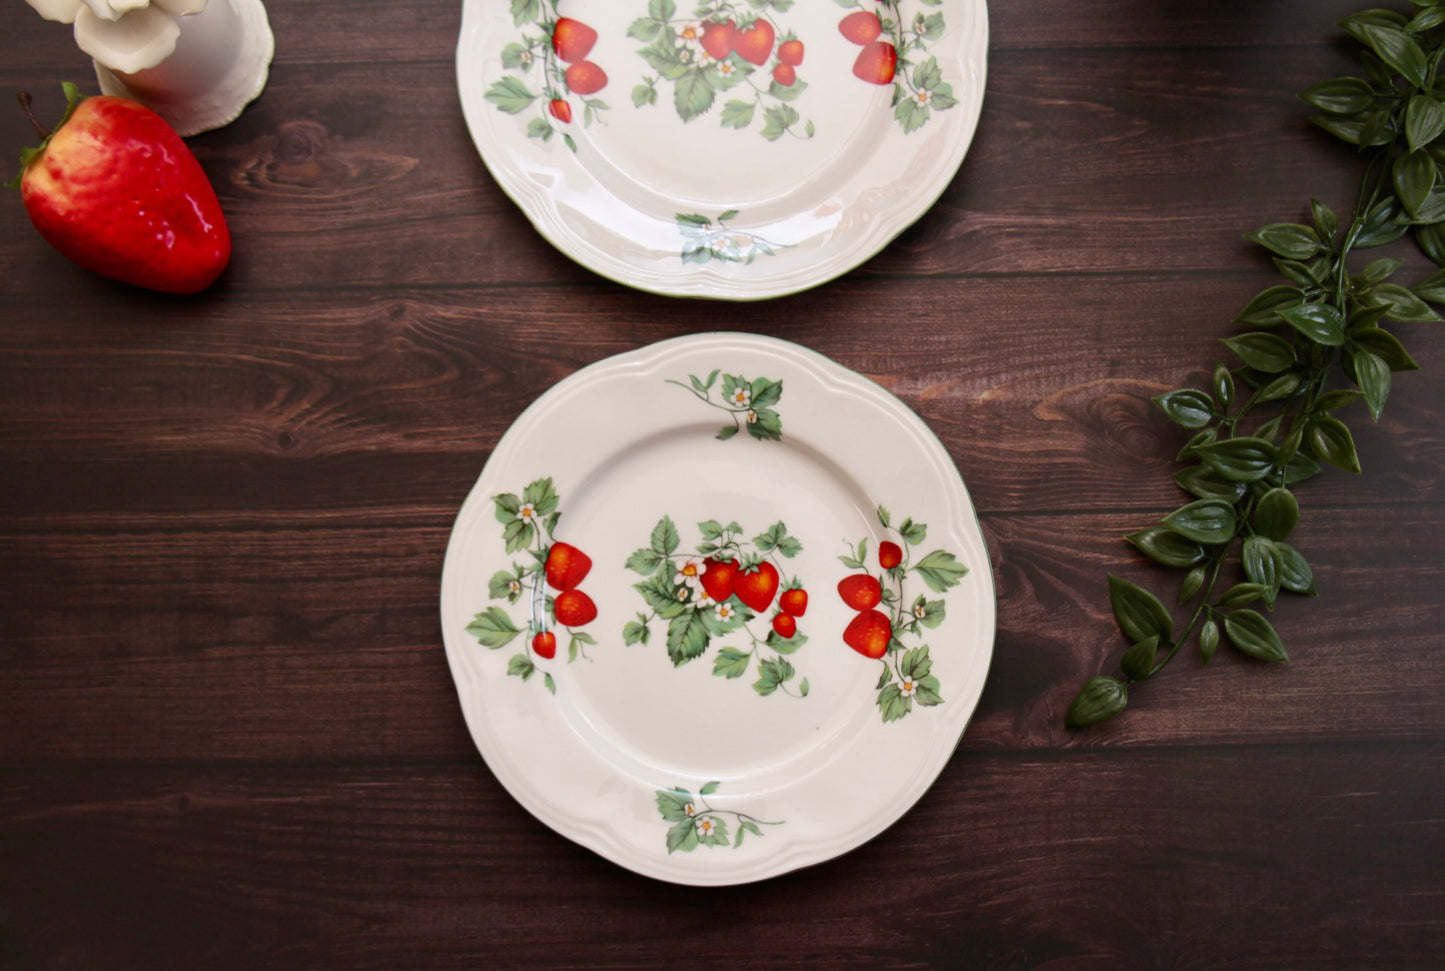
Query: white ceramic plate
(661, 148)
(713, 749)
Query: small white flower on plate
(908, 687)
(741, 396)
(725, 612)
(690, 809)
(706, 826)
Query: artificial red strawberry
(790, 52)
(544, 644)
(561, 110)
(794, 601)
(860, 591)
(717, 38)
(757, 586)
(785, 625)
(869, 634)
(889, 555)
(861, 27)
(573, 608)
(785, 75)
(718, 578)
(115, 189)
(876, 63)
(572, 39)
(756, 42)
(584, 77)
(567, 566)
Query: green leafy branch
(1314, 344)
(695, 823)
(751, 403)
(512, 93)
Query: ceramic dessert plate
(738, 149)
(717, 609)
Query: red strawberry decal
(785, 75)
(790, 52)
(889, 555)
(573, 608)
(755, 43)
(717, 38)
(861, 27)
(718, 579)
(567, 566)
(757, 586)
(585, 78)
(876, 63)
(572, 39)
(860, 591)
(115, 189)
(794, 601)
(785, 625)
(560, 110)
(544, 644)
(869, 634)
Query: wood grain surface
(228, 734)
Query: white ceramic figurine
(196, 63)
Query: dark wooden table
(228, 733)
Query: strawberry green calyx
(73, 97)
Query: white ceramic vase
(196, 63)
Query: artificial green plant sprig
(1313, 345)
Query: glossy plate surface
(737, 150)
(680, 728)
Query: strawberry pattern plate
(717, 609)
(734, 149)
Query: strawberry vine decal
(880, 634)
(559, 46)
(716, 593)
(918, 85)
(721, 50)
(695, 823)
(527, 523)
(750, 403)
(707, 239)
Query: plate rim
(456, 603)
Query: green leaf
(1251, 633)
(1414, 176)
(1276, 514)
(916, 663)
(1381, 224)
(692, 94)
(1138, 612)
(1340, 96)
(1432, 288)
(737, 114)
(682, 836)
(1424, 120)
(1403, 305)
(1245, 459)
(1193, 582)
(1386, 346)
(1330, 441)
(940, 570)
(1263, 310)
(1397, 49)
(1373, 376)
(1208, 639)
(1283, 386)
(1320, 322)
(772, 673)
(1208, 521)
(1223, 385)
(510, 95)
(645, 562)
(1261, 565)
(1241, 594)
(893, 703)
(526, 11)
(1187, 407)
(1293, 241)
(731, 663)
(1202, 482)
(632, 632)
(1263, 352)
(1165, 546)
(1099, 700)
(664, 537)
(687, 637)
(1295, 574)
(912, 533)
(521, 666)
(1138, 660)
(779, 119)
(493, 628)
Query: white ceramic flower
(725, 612)
(908, 687)
(706, 826)
(690, 809)
(691, 571)
(528, 511)
(124, 35)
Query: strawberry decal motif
(528, 520)
(559, 46)
(729, 50)
(750, 403)
(695, 823)
(720, 592)
(705, 239)
(892, 52)
(886, 618)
